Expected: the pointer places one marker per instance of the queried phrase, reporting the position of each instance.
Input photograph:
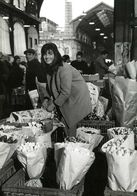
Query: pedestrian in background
(66, 58)
(4, 79)
(80, 64)
(100, 65)
(16, 85)
(2, 87)
(33, 70)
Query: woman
(66, 89)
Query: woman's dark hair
(57, 60)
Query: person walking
(67, 92)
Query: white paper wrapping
(131, 68)
(94, 94)
(124, 99)
(73, 166)
(33, 157)
(59, 148)
(113, 69)
(29, 115)
(122, 171)
(122, 167)
(6, 151)
(34, 97)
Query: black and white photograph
(68, 98)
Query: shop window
(19, 39)
(4, 37)
(32, 37)
(36, 42)
(16, 3)
(30, 42)
(20, 4)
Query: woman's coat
(70, 93)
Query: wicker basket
(98, 124)
(7, 171)
(99, 83)
(15, 186)
(109, 192)
(90, 77)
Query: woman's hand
(51, 107)
(48, 105)
(45, 104)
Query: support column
(123, 15)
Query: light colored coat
(70, 93)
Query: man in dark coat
(3, 85)
(34, 69)
(80, 64)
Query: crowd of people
(66, 91)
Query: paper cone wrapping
(94, 94)
(130, 66)
(59, 148)
(122, 168)
(73, 165)
(122, 171)
(33, 157)
(6, 151)
(112, 69)
(34, 97)
(135, 64)
(124, 99)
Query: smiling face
(49, 57)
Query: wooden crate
(7, 171)
(103, 125)
(15, 186)
(109, 192)
(90, 77)
(99, 83)
(98, 124)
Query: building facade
(19, 27)
(78, 34)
